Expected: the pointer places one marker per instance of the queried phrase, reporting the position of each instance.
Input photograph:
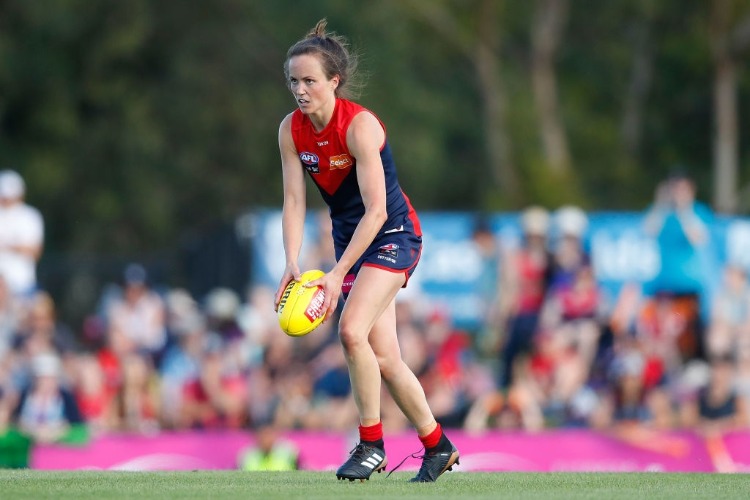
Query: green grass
(323, 485)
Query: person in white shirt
(21, 235)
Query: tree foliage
(136, 122)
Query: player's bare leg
(370, 296)
(371, 308)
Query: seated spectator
(137, 319)
(40, 329)
(573, 312)
(222, 306)
(94, 397)
(717, 407)
(181, 365)
(217, 398)
(47, 411)
(137, 405)
(729, 328)
(637, 395)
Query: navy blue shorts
(396, 252)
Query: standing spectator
(569, 255)
(487, 287)
(680, 225)
(21, 235)
(526, 274)
(9, 317)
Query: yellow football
(301, 308)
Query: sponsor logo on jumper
(322, 143)
(310, 161)
(340, 161)
(315, 308)
(346, 286)
(395, 230)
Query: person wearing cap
(137, 318)
(21, 235)
(526, 275)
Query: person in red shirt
(344, 149)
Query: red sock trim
(371, 432)
(433, 438)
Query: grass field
(323, 485)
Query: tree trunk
(639, 84)
(487, 65)
(725, 153)
(546, 31)
(481, 50)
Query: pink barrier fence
(563, 450)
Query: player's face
(309, 85)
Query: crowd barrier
(634, 450)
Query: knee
(351, 337)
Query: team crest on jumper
(310, 161)
(389, 250)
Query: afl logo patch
(310, 161)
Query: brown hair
(335, 57)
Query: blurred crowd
(553, 351)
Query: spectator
(40, 329)
(137, 319)
(718, 407)
(569, 254)
(729, 328)
(94, 397)
(526, 273)
(181, 365)
(487, 287)
(269, 453)
(217, 397)
(47, 411)
(10, 316)
(21, 235)
(222, 308)
(680, 225)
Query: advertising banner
(455, 275)
(550, 451)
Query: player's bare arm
(293, 217)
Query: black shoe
(435, 462)
(363, 461)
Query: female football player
(343, 148)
